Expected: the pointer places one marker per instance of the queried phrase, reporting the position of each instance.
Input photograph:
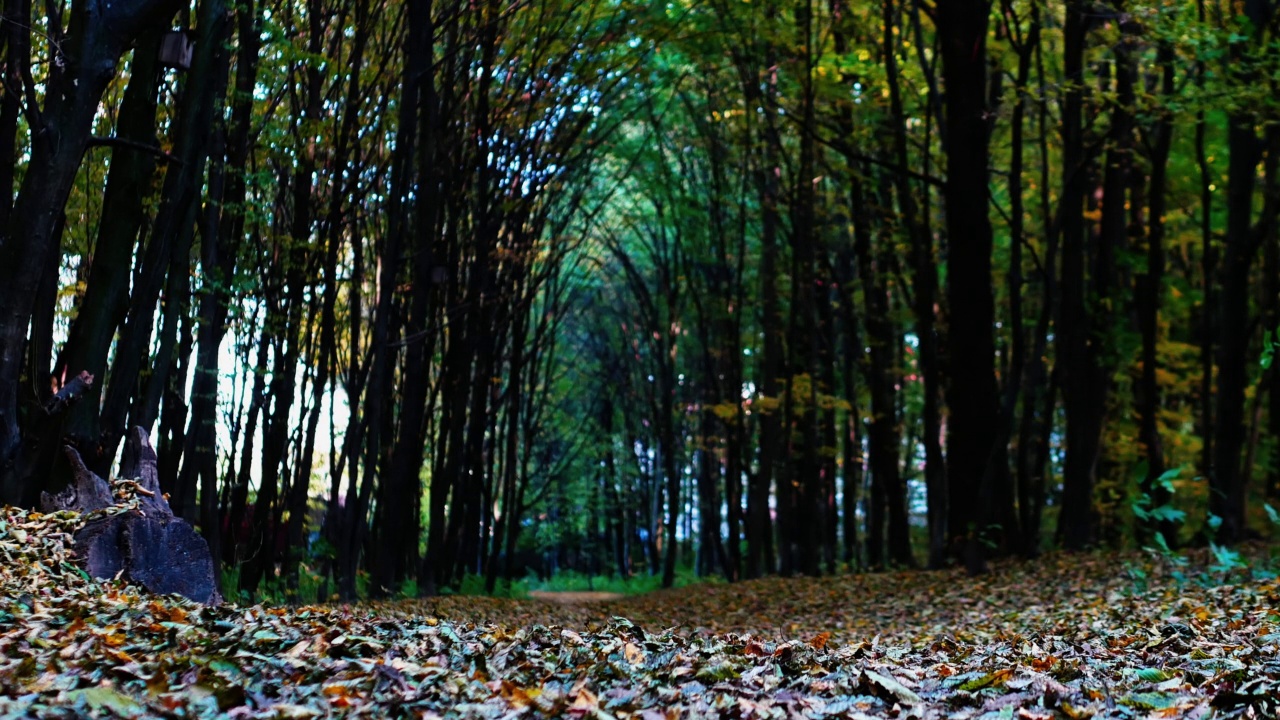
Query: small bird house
(175, 49)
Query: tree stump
(147, 544)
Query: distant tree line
(415, 291)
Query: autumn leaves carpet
(1067, 637)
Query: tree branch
(68, 394)
(119, 142)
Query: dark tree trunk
(301, 234)
(829, 428)
(846, 264)
(1226, 486)
(1109, 244)
(508, 525)
(997, 479)
(106, 298)
(851, 347)
(168, 380)
(97, 36)
(169, 247)
(16, 31)
(1037, 412)
(399, 490)
(1271, 324)
(1148, 293)
(882, 376)
(335, 217)
(1076, 523)
(925, 296)
(670, 472)
(767, 169)
(44, 457)
(346, 519)
(710, 548)
(1226, 479)
(1208, 272)
(971, 387)
(201, 438)
(800, 543)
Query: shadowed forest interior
(425, 296)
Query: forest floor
(573, 597)
(1100, 635)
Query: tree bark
(1226, 480)
(97, 36)
(1148, 292)
(129, 181)
(971, 389)
(924, 297)
(1076, 522)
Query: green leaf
(892, 686)
(72, 568)
(1166, 513)
(1153, 675)
(108, 698)
(1168, 476)
(1149, 701)
(717, 673)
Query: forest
(411, 293)
(893, 358)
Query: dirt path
(574, 598)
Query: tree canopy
(411, 293)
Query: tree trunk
(925, 296)
(97, 36)
(16, 30)
(1075, 525)
(882, 377)
(1208, 271)
(971, 388)
(1226, 481)
(1148, 293)
(106, 298)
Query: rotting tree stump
(146, 544)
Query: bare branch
(115, 142)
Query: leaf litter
(1064, 637)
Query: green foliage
(1226, 560)
(473, 585)
(638, 584)
(573, 582)
(1221, 564)
(1165, 513)
(275, 591)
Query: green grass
(272, 591)
(635, 585)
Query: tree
(972, 454)
(82, 63)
